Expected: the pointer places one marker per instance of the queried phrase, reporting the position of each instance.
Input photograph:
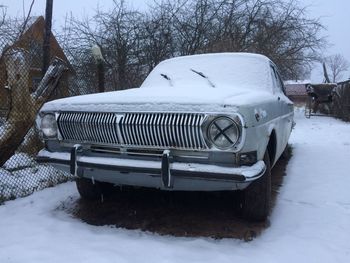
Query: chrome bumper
(163, 174)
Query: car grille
(160, 130)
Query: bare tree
(9, 27)
(26, 19)
(156, 37)
(2, 15)
(337, 65)
(278, 29)
(132, 43)
(117, 33)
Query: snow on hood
(206, 99)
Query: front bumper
(163, 174)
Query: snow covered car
(211, 122)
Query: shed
(32, 41)
(296, 90)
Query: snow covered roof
(295, 89)
(292, 82)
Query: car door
(286, 111)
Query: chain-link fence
(23, 90)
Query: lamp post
(97, 54)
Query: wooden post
(47, 35)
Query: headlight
(48, 126)
(223, 132)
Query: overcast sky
(334, 13)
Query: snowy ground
(310, 222)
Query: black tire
(286, 153)
(90, 190)
(255, 200)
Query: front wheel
(255, 200)
(93, 190)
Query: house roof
(295, 89)
(10, 31)
(305, 81)
(35, 31)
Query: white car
(211, 122)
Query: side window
(277, 80)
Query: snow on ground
(310, 222)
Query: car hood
(206, 99)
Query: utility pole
(47, 35)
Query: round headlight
(223, 132)
(49, 126)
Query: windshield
(213, 71)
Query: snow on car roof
(218, 70)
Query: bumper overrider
(164, 174)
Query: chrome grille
(170, 130)
(88, 127)
(156, 130)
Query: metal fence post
(97, 54)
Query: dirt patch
(205, 214)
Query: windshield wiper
(203, 76)
(167, 78)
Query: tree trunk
(24, 106)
